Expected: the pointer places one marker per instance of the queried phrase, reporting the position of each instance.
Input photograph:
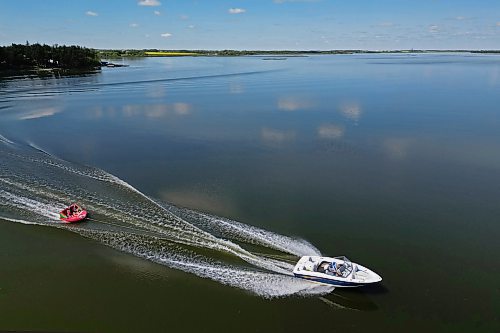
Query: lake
(207, 177)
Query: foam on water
(247, 233)
(5, 140)
(35, 186)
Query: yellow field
(170, 54)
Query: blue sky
(254, 24)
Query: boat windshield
(345, 267)
(344, 259)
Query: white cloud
(149, 3)
(157, 12)
(236, 10)
(191, 26)
(184, 17)
(433, 28)
(134, 25)
(460, 18)
(498, 24)
(386, 24)
(91, 13)
(283, 1)
(166, 35)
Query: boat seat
(309, 266)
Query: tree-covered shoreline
(121, 53)
(19, 57)
(37, 56)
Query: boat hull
(331, 282)
(345, 273)
(75, 218)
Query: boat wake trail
(35, 186)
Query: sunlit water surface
(208, 177)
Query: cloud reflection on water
(156, 110)
(275, 136)
(156, 91)
(293, 103)
(153, 111)
(351, 110)
(236, 88)
(397, 148)
(40, 113)
(330, 131)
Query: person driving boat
(332, 269)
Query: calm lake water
(207, 177)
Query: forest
(37, 56)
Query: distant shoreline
(65, 60)
(120, 53)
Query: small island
(44, 57)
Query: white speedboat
(337, 271)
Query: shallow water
(207, 177)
